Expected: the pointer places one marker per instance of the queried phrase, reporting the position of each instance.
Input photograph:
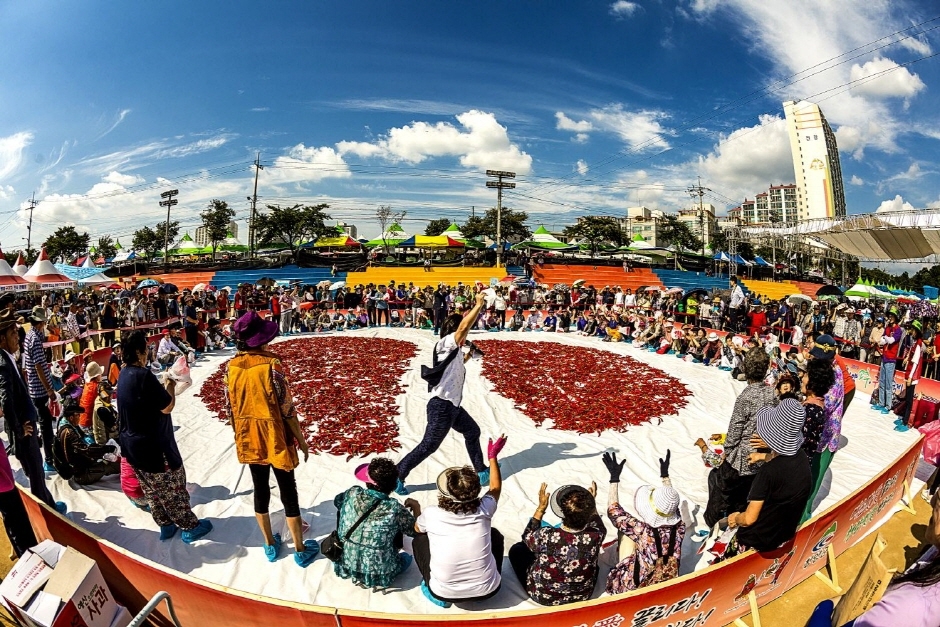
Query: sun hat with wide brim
(561, 494)
(657, 507)
(781, 426)
(253, 330)
(713, 337)
(442, 485)
(92, 370)
(38, 314)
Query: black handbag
(332, 546)
(435, 373)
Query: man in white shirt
(736, 306)
(534, 321)
(168, 351)
(444, 410)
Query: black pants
(421, 548)
(95, 472)
(521, 559)
(727, 493)
(45, 426)
(371, 312)
(192, 336)
(379, 314)
(260, 478)
(438, 319)
(442, 417)
(16, 522)
(27, 452)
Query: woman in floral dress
(372, 557)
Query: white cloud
(581, 138)
(564, 123)
(482, 143)
(306, 165)
(117, 121)
(582, 167)
(259, 109)
(796, 36)
(892, 81)
(124, 180)
(750, 159)
(641, 130)
(6, 191)
(140, 156)
(896, 204)
(856, 180)
(622, 9)
(11, 152)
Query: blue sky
(597, 105)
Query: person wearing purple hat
(372, 554)
(267, 432)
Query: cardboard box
(30, 574)
(123, 617)
(78, 582)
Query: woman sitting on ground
(371, 556)
(558, 565)
(517, 322)
(457, 550)
(711, 355)
(654, 535)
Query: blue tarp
(931, 292)
(762, 262)
(77, 273)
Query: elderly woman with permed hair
(456, 548)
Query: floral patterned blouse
(833, 407)
(620, 577)
(565, 568)
(813, 428)
(370, 557)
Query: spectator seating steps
(809, 289)
(515, 270)
(598, 276)
(772, 289)
(689, 280)
(382, 275)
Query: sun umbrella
(147, 283)
(338, 285)
(652, 288)
(579, 283)
(169, 288)
(265, 282)
(674, 290)
(828, 290)
(199, 287)
(325, 283)
(796, 299)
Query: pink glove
(493, 448)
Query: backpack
(665, 567)
(59, 458)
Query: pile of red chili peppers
(344, 389)
(580, 389)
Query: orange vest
(260, 433)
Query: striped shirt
(34, 358)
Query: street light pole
(254, 204)
(500, 185)
(168, 202)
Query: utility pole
(698, 190)
(500, 185)
(29, 227)
(254, 206)
(168, 202)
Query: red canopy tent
(10, 281)
(45, 274)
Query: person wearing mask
(889, 344)
(912, 373)
(558, 565)
(816, 378)
(456, 549)
(730, 483)
(267, 431)
(439, 307)
(652, 537)
(782, 485)
(148, 443)
(20, 415)
(39, 380)
(444, 411)
(372, 556)
(737, 306)
(109, 321)
(824, 349)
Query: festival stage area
(221, 488)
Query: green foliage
(106, 247)
(151, 241)
(596, 230)
(387, 217)
(436, 227)
(29, 256)
(215, 219)
(294, 225)
(66, 242)
(678, 233)
(513, 225)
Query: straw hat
(658, 507)
(92, 370)
(712, 337)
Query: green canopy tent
(543, 240)
(392, 237)
(453, 232)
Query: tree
(293, 226)
(436, 227)
(720, 241)
(146, 242)
(596, 230)
(106, 247)
(387, 217)
(678, 233)
(66, 242)
(29, 256)
(167, 236)
(513, 225)
(215, 219)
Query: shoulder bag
(332, 545)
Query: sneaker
(271, 550)
(484, 476)
(926, 495)
(430, 597)
(167, 531)
(400, 488)
(885, 411)
(61, 507)
(47, 467)
(877, 407)
(901, 427)
(305, 558)
(199, 531)
(405, 560)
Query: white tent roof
(44, 273)
(88, 263)
(19, 266)
(186, 243)
(97, 279)
(10, 281)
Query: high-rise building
(778, 204)
(819, 189)
(202, 240)
(701, 221)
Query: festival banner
(707, 598)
